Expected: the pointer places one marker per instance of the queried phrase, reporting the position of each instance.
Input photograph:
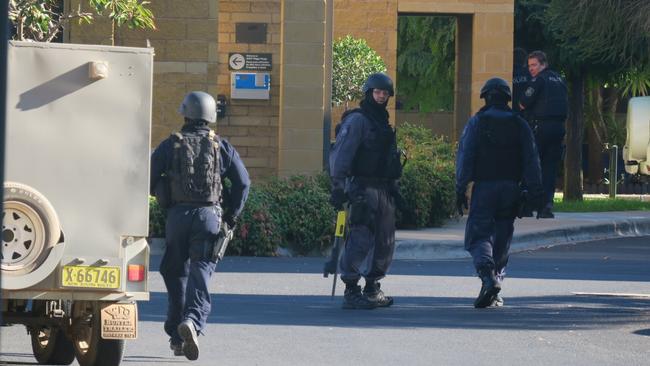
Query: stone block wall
(252, 125)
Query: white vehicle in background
(75, 217)
(636, 152)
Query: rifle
(332, 264)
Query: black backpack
(194, 174)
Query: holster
(221, 244)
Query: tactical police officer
(520, 76)
(364, 167)
(545, 104)
(192, 163)
(497, 152)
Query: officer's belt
(547, 120)
(196, 204)
(381, 183)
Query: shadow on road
(520, 313)
(643, 332)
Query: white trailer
(75, 216)
(636, 152)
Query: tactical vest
(377, 156)
(195, 169)
(499, 149)
(552, 101)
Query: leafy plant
(157, 218)
(426, 62)
(352, 62)
(427, 184)
(43, 20)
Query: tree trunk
(574, 132)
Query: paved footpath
(568, 227)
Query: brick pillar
(301, 97)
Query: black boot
(353, 298)
(489, 289)
(373, 292)
(497, 302)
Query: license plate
(90, 277)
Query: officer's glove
(338, 198)
(461, 203)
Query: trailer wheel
(51, 347)
(49, 344)
(30, 228)
(90, 348)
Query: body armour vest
(195, 169)
(499, 149)
(378, 156)
(552, 101)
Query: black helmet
(379, 80)
(496, 84)
(199, 105)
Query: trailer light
(135, 273)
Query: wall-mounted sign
(250, 61)
(250, 32)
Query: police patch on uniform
(529, 91)
(344, 131)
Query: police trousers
(186, 266)
(490, 223)
(370, 242)
(549, 136)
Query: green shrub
(257, 231)
(157, 218)
(427, 184)
(305, 216)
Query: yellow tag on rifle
(340, 224)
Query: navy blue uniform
(497, 152)
(545, 104)
(191, 230)
(520, 79)
(360, 145)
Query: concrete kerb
(450, 249)
(611, 230)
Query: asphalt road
(277, 311)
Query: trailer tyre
(90, 348)
(51, 347)
(30, 228)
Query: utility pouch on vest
(221, 244)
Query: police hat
(496, 84)
(379, 80)
(199, 105)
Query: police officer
(520, 76)
(364, 168)
(545, 104)
(193, 162)
(497, 152)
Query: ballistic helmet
(198, 105)
(379, 80)
(498, 85)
